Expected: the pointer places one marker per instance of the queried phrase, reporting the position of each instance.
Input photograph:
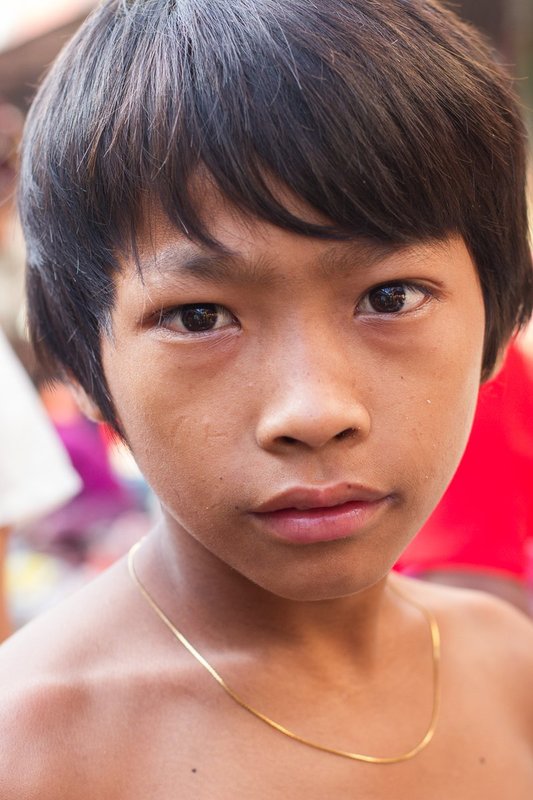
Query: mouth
(309, 515)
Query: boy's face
(301, 374)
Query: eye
(393, 298)
(196, 318)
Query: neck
(332, 651)
(205, 595)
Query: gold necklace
(435, 640)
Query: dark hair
(388, 117)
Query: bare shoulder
(486, 636)
(61, 679)
(487, 623)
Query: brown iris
(387, 299)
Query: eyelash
(166, 315)
(404, 288)
(397, 290)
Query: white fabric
(36, 475)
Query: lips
(302, 515)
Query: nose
(312, 401)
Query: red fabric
(486, 515)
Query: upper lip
(304, 498)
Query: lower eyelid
(185, 337)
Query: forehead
(246, 249)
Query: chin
(308, 587)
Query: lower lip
(320, 524)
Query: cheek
(440, 404)
(178, 427)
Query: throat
(288, 687)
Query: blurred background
(71, 497)
(100, 504)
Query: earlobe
(85, 403)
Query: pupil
(387, 299)
(199, 318)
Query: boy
(277, 245)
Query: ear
(85, 403)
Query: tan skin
(100, 701)
(509, 589)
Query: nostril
(288, 440)
(348, 433)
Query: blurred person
(36, 474)
(72, 530)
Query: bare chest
(200, 754)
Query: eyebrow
(226, 266)
(362, 255)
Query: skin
(301, 383)
(511, 590)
